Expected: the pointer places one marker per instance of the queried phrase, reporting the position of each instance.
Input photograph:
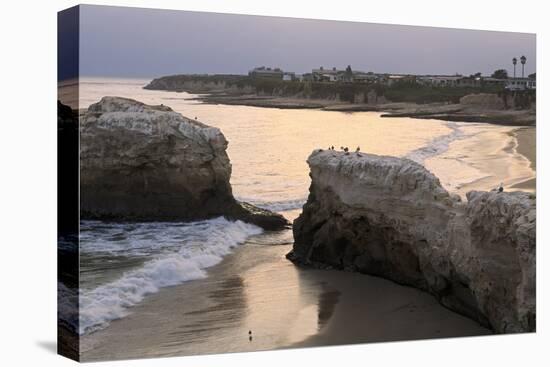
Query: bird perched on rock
(346, 149)
(341, 148)
(500, 188)
(357, 150)
(332, 147)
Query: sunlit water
(268, 147)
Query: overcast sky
(132, 42)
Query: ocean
(123, 263)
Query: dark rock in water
(145, 163)
(264, 218)
(390, 217)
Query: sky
(136, 42)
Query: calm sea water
(268, 148)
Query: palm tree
(523, 60)
(514, 61)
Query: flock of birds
(346, 150)
(499, 189)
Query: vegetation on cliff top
(401, 91)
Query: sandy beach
(280, 183)
(526, 146)
(256, 288)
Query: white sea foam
(438, 145)
(176, 252)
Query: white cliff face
(141, 162)
(149, 162)
(391, 217)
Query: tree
(500, 74)
(348, 74)
(523, 60)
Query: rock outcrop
(486, 101)
(391, 217)
(140, 162)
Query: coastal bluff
(391, 217)
(150, 163)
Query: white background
(28, 182)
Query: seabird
(500, 188)
(332, 147)
(358, 149)
(249, 332)
(341, 148)
(346, 149)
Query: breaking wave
(173, 253)
(438, 145)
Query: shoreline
(256, 288)
(483, 159)
(526, 146)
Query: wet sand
(257, 289)
(486, 157)
(527, 146)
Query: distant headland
(495, 99)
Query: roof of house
(327, 71)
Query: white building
(439, 80)
(289, 76)
(521, 84)
(362, 77)
(327, 75)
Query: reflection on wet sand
(226, 309)
(269, 298)
(255, 288)
(280, 304)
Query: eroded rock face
(391, 217)
(140, 162)
(484, 101)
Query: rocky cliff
(391, 217)
(140, 162)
